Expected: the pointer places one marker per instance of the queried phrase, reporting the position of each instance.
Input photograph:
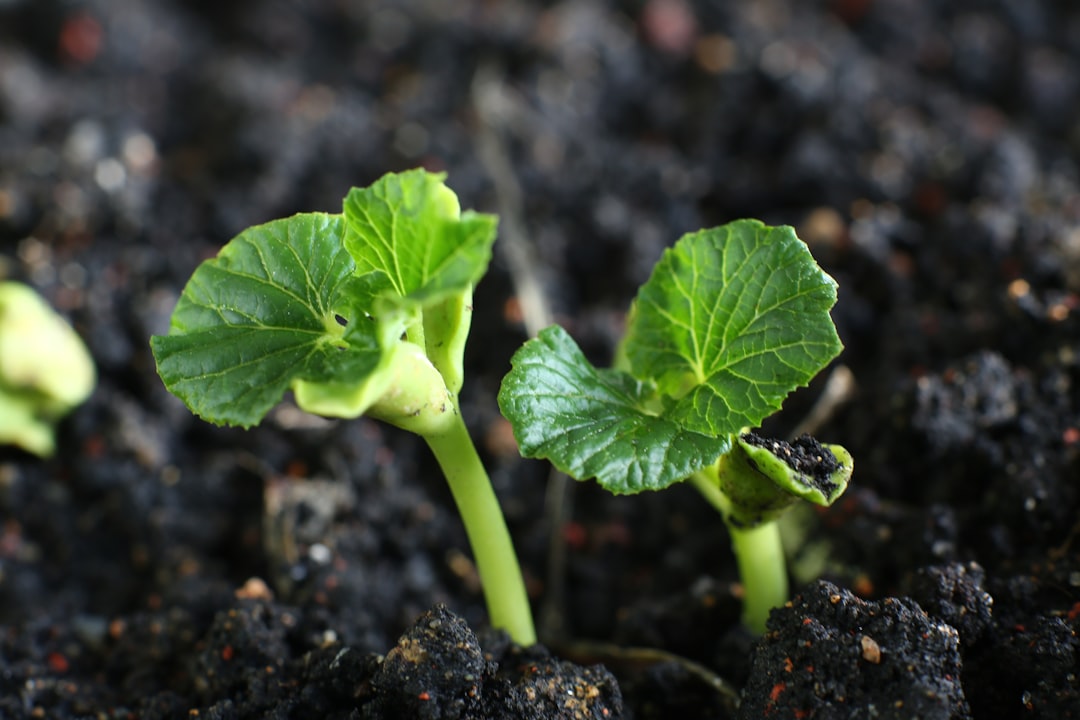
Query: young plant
(730, 322)
(45, 370)
(360, 313)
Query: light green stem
(759, 554)
(500, 575)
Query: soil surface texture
(159, 568)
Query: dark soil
(805, 455)
(887, 659)
(159, 567)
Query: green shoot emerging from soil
(45, 369)
(731, 321)
(360, 313)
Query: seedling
(45, 370)
(730, 322)
(360, 313)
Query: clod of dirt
(438, 671)
(435, 671)
(539, 687)
(954, 593)
(830, 654)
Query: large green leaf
(410, 228)
(266, 315)
(730, 322)
(596, 423)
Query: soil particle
(539, 687)
(804, 455)
(830, 654)
(434, 671)
(438, 671)
(954, 594)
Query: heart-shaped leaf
(596, 423)
(276, 307)
(731, 321)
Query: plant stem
(759, 554)
(500, 574)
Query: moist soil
(158, 567)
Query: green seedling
(45, 370)
(731, 321)
(360, 313)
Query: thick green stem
(759, 554)
(504, 587)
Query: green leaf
(596, 423)
(262, 317)
(409, 227)
(730, 322)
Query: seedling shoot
(365, 312)
(45, 370)
(731, 321)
